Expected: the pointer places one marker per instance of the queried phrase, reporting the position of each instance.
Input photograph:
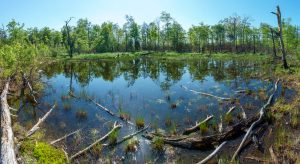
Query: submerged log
(210, 95)
(197, 126)
(109, 111)
(115, 128)
(8, 155)
(41, 120)
(262, 114)
(210, 156)
(64, 137)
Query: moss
(41, 152)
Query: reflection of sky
(144, 97)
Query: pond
(162, 93)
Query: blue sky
(52, 13)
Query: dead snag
(115, 128)
(41, 120)
(210, 156)
(262, 114)
(64, 137)
(279, 33)
(7, 136)
(197, 126)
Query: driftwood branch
(210, 95)
(210, 156)
(41, 120)
(109, 111)
(262, 113)
(64, 137)
(115, 128)
(7, 136)
(230, 110)
(197, 126)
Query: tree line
(233, 34)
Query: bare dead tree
(70, 41)
(273, 41)
(279, 33)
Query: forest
(152, 92)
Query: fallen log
(41, 120)
(109, 111)
(262, 113)
(194, 141)
(210, 156)
(197, 126)
(210, 95)
(8, 155)
(115, 128)
(64, 137)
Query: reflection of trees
(165, 73)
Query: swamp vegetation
(151, 93)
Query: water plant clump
(203, 128)
(140, 122)
(67, 106)
(81, 114)
(132, 145)
(157, 144)
(113, 137)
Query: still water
(156, 90)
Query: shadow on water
(156, 90)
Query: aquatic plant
(132, 145)
(96, 150)
(157, 144)
(81, 114)
(203, 128)
(112, 138)
(168, 121)
(67, 106)
(139, 122)
(228, 118)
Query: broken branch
(115, 128)
(64, 137)
(41, 120)
(197, 126)
(210, 156)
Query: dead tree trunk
(278, 14)
(273, 41)
(8, 155)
